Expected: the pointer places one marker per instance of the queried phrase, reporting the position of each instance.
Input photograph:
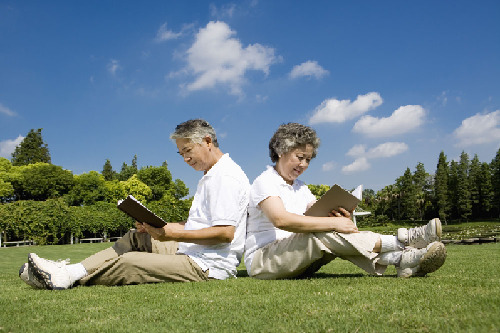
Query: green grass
(463, 296)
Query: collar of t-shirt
(296, 183)
(218, 164)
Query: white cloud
(308, 69)
(357, 150)
(224, 11)
(479, 129)
(360, 164)
(362, 156)
(403, 120)
(7, 147)
(328, 166)
(387, 149)
(217, 58)
(5, 110)
(163, 34)
(339, 111)
(113, 66)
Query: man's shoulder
(229, 168)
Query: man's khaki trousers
(137, 258)
(302, 254)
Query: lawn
(463, 296)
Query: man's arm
(206, 236)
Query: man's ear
(208, 141)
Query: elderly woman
(284, 243)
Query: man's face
(195, 154)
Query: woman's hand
(344, 225)
(340, 212)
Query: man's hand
(166, 233)
(140, 227)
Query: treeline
(463, 190)
(46, 203)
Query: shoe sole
(34, 281)
(439, 228)
(432, 260)
(40, 274)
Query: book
(136, 210)
(334, 198)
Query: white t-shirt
(221, 199)
(261, 231)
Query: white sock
(389, 258)
(390, 243)
(76, 271)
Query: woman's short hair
(290, 136)
(196, 130)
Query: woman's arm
(275, 211)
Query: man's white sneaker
(54, 273)
(420, 237)
(419, 262)
(27, 275)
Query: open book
(139, 212)
(334, 198)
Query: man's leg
(140, 267)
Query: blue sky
(386, 84)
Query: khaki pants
(304, 253)
(137, 258)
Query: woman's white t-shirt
(261, 231)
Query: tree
(89, 188)
(495, 182)
(486, 192)
(318, 190)
(474, 186)
(159, 179)
(31, 150)
(108, 172)
(464, 203)
(40, 181)
(128, 171)
(441, 187)
(408, 195)
(420, 180)
(453, 188)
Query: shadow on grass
(244, 273)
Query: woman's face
(292, 164)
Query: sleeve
(308, 196)
(263, 188)
(227, 200)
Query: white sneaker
(27, 275)
(420, 237)
(54, 273)
(419, 262)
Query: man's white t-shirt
(261, 231)
(221, 199)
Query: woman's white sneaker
(420, 237)
(419, 262)
(27, 275)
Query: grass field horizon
(462, 296)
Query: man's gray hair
(196, 130)
(290, 136)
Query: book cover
(334, 198)
(135, 209)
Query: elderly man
(209, 245)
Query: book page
(334, 198)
